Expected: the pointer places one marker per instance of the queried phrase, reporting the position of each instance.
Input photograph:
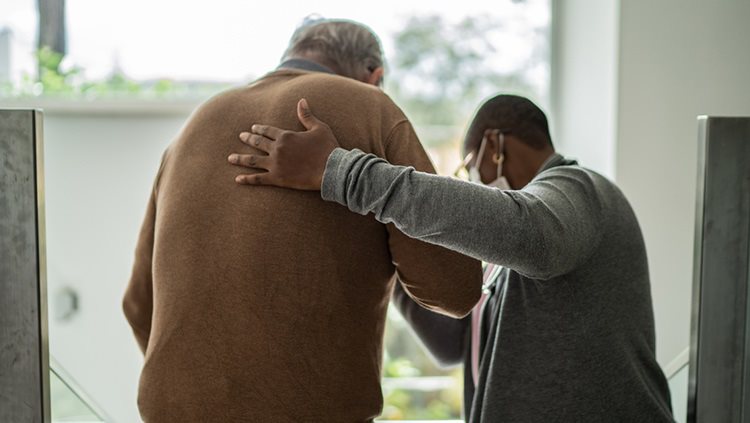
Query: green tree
(441, 70)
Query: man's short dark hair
(511, 114)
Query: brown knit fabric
(260, 304)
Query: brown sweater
(265, 304)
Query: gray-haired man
(268, 305)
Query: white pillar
(5, 54)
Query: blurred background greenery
(439, 73)
(414, 387)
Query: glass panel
(67, 400)
(414, 387)
(678, 386)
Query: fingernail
(244, 136)
(232, 158)
(254, 128)
(303, 103)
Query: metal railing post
(719, 375)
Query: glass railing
(677, 376)
(68, 402)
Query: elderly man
(265, 304)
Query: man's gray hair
(350, 47)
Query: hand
(294, 160)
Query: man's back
(269, 305)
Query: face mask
(474, 175)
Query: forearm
(443, 336)
(535, 231)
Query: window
(443, 59)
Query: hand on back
(293, 159)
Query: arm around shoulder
(435, 277)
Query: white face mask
(474, 175)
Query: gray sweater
(569, 331)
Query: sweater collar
(555, 160)
(306, 65)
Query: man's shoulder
(574, 178)
(219, 103)
(577, 172)
(586, 185)
(346, 90)
(317, 87)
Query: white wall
(677, 60)
(5, 54)
(99, 169)
(584, 81)
(671, 61)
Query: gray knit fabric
(571, 335)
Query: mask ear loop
(499, 157)
(480, 153)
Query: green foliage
(400, 367)
(441, 71)
(51, 76)
(55, 80)
(402, 404)
(405, 358)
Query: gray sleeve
(443, 336)
(544, 230)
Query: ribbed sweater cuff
(339, 164)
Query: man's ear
(493, 142)
(375, 77)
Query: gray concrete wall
(24, 368)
